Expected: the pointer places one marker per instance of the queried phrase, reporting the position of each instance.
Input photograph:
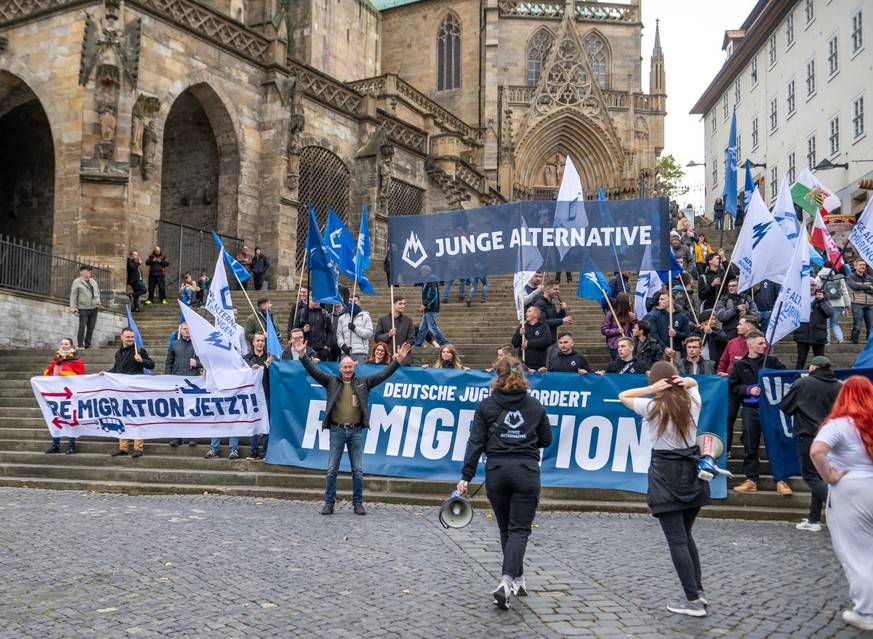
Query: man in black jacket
(549, 316)
(809, 401)
(134, 280)
(564, 358)
(814, 333)
(317, 325)
(708, 284)
(400, 330)
(625, 364)
(743, 386)
(182, 360)
(157, 263)
(346, 415)
(733, 306)
(258, 357)
(532, 340)
(130, 360)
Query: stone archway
(27, 164)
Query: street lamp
(693, 164)
(827, 165)
(762, 165)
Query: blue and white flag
(729, 195)
(137, 338)
(362, 256)
(592, 284)
(675, 269)
(570, 207)
(239, 271)
(861, 236)
(748, 188)
(762, 250)
(323, 281)
(649, 282)
(274, 346)
(865, 357)
(600, 195)
(528, 262)
(218, 302)
(794, 304)
(222, 361)
(341, 246)
(786, 217)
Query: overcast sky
(691, 35)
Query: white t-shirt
(847, 448)
(670, 439)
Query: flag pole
(691, 305)
(249, 300)
(611, 310)
(670, 298)
(299, 283)
(393, 328)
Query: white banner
(218, 301)
(151, 407)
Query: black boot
(54, 448)
(71, 449)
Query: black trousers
(139, 289)
(733, 410)
(677, 527)
(159, 281)
(513, 487)
(751, 439)
(803, 352)
(810, 475)
(87, 322)
(259, 280)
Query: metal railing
(190, 250)
(30, 268)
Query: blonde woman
(449, 358)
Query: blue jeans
(56, 441)
(861, 313)
(429, 323)
(253, 443)
(340, 438)
(834, 325)
(475, 285)
(461, 284)
(216, 442)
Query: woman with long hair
(843, 455)
(189, 290)
(675, 494)
(618, 324)
(66, 361)
(448, 358)
(510, 427)
(381, 354)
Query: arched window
(537, 53)
(596, 52)
(324, 184)
(449, 54)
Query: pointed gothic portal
(27, 164)
(568, 117)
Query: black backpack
(832, 288)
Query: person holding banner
(65, 362)
(675, 493)
(346, 415)
(625, 363)
(260, 358)
(511, 428)
(532, 339)
(843, 455)
(130, 360)
(449, 358)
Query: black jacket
(707, 292)
(557, 362)
(549, 316)
(766, 296)
(320, 326)
(178, 356)
(261, 360)
(125, 364)
(815, 331)
(430, 297)
(744, 374)
(539, 338)
(134, 275)
(673, 481)
(647, 352)
(726, 311)
(810, 399)
(260, 264)
(405, 333)
(361, 386)
(627, 368)
(157, 264)
(507, 426)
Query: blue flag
(600, 195)
(341, 246)
(362, 257)
(865, 357)
(729, 196)
(592, 286)
(675, 269)
(137, 338)
(239, 271)
(323, 277)
(748, 188)
(274, 346)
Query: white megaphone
(711, 448)
(456, 511)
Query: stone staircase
(477, 331)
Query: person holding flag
(618, 322)
(130, 359)
(66, 361)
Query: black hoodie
(810, 399)
(518, 427)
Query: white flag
(784, 212)
(794, 304)
(528, 261)
(861, 236)
(222, 361)
(218, 301)
(762, 250)
(570, 207)
(648, 283)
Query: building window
(810, 78)
(537, 53)
(714, 123)
(810, 151)
(809, 11)
(791, 167)
(774, 114)
(789, 31)
(753, 72)
(595, 49)
(791, 100)
(754, 133)
(858, 117)
(714, 171)
(774, 182)
(771, 49)
(724, 107)
(449, 54)
(737, 91)
(833, 56)
(857, 32)
(834, 135)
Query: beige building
(129, 123)
(795, 71)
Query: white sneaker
(519, 587)
(691, 608)
(805, 524)
(864, 622)
(502, 594)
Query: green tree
(669, 177)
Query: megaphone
(711, 448)
(456, 511)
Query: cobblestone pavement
(93, 565)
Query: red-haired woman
(381, 354)
(65, 362)
(843, 455)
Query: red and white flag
(821, 239)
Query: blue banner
(420, 421)
(486, 241)
(776, 426)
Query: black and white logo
(413, 251)
(513, 419)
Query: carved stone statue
(149, 147)
(138, 125)
(107, 125)
(387, 154)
